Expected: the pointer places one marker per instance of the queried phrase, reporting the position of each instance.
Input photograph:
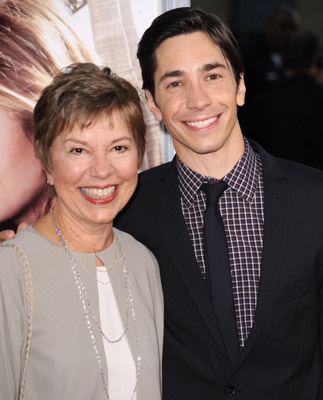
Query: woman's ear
(50, 178)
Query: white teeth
(202, 124)
(100, 194)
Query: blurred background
(245, 16)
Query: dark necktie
(218, 273)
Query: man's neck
(215, 164)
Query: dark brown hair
(79, 96)
(181, 21)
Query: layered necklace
(88, 311)
(100, 269)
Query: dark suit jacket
(282, 358)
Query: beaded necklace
(88, 311)
(105, 270)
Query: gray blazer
(62, 363)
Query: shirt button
(229, 391)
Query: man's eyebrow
(171, 74)
(203, 68)
(211, 66)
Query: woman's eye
(120, 149)
(77, 150)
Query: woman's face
(94, 171)
(21, 176)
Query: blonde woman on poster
(35, 43)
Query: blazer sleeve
(13, 323)
(158, 302)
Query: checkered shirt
(242, 211)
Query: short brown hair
(79, 96)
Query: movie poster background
(106, 34)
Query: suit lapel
(168, 207)
(276, 212)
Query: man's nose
(198, 96)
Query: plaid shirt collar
(243, 178)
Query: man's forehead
(180, 50)
(202, 37)
(181, 66)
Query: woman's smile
(98, 195)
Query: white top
(120, 362)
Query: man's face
(196, 96)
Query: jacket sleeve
(13, 326)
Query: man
(272, 214)
(262, 339)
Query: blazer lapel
(276, 213)
(168, 207)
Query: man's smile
(203, 123)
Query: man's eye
(174, 84)
(213, 77)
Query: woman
(81, 302)
(35, 43)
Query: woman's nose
(101, 166)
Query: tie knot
(213, 191)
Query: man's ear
(152, 106)
(241, 91)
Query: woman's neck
(89, 238)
